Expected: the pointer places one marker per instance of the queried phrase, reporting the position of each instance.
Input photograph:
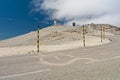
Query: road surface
(90, 63)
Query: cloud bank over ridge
(81, 11)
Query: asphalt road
(90, 63)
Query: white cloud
(81, 11)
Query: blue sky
(16, 18)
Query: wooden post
(84, 36)
(104, 33)
(101, 33)
(38, 38)
(93, 29)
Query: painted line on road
(117, 57)
(24, 74)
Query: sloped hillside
(46, 34)
(52, 35)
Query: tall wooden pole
(104, 33)
(38, 39)
(101, 33)
(84, 36)
(93, 29)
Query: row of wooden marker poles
(102, 33)
(102, 30)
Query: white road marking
(24, 74)
(71, 61)
(117, 57)
(56, 57)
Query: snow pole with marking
(84, 44)
(101, 33)
(104, 33)
(38, 39)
